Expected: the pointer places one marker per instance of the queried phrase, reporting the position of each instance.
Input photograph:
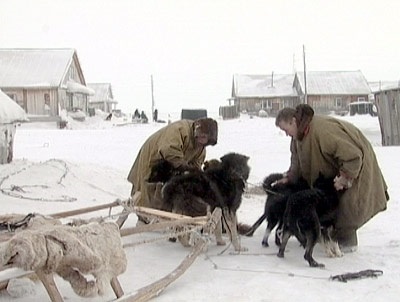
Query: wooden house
(44, 82)
(102, 98)
(387, 101)
(327, 91)
(332, 91)
(269, 93)
(10, 114)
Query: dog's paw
(241, 249)
(333, 250)
(221, 242)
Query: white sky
(193, 48)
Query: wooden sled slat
(154, 289)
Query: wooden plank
(148, 292)
(50, 286)
(85, 210)
(163, 225)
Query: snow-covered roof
(334, 82)
(383, 85)
(102, 92)
(10, 111)
(264, 85)
(75, 87)
(33, 67)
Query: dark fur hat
(207, 126)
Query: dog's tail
(255, 226)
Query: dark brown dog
(221, 186)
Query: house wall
(73, 101)
(324, 104)
(33, 100)
(270, 105)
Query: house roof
(334, 82)
(34, 67)
(383, 85)
(102, 92)
(264, 85)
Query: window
(338, 102)
(361, 99)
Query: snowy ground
(87, 165)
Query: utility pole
(152, 96)
(305, 76)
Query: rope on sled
(195, 231)
(12, 226)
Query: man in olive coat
(336, 148)
(182, 143)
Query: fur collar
(304, 114)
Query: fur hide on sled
(71, 252)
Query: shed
(44, 82)
(10, 114)
(387, 102)
(193, 114)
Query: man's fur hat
(209, 127)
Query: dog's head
(211, 164)
(26, 250)
(162, 171)
(237, 165)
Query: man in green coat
(182, 143)
(336, 148)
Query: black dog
(310, 214)
(222, 185)
(275, 205)
(162, 171)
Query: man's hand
(342, 182)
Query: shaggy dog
(275, 205)
(163, 170)
(310, 214)
(87, 256)
(222, 185)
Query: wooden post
(117, 288)
(50, 285)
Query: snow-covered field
(87, 165)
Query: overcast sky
(193, 48)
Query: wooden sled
(165, 220)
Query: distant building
(102, 98)
(44, 81)
(327, 91)
(252, 93)
(332, 91)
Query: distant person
(144, 118)
(183, 143)
(136, 115)
(155, 115)
(336, 148)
